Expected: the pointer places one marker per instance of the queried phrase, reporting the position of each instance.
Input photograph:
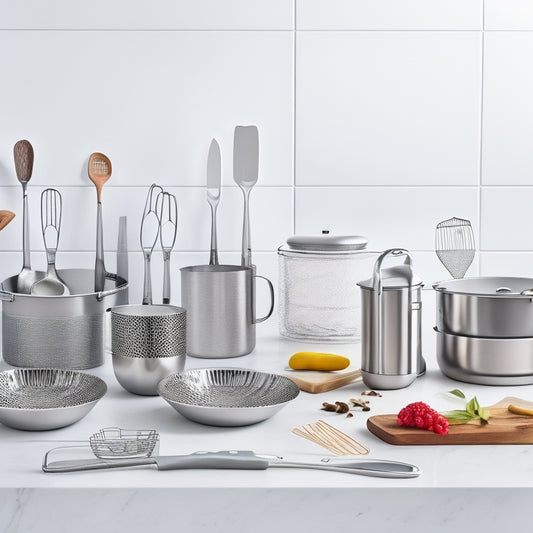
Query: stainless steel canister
(220, 304)
(59, 331)
(148, 344)
(318, 294)
(391, 338)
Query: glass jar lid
(325, 242)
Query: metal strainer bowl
(227, 396)
(38, 399)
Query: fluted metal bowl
(227, 396)
(37, 399)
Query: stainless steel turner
(240, 460)
(245, 171)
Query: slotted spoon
(455, 246)
(99, 170)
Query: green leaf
(458, 393)
(484, 414)
(458, 414)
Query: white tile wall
(380, 118)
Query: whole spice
(337, 407)
(371, 393)
(357, 402)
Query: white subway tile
(388, 108)
(508, 15)
(506, 218)
(389, 14)
(390, 217)
(270, 218)
(151, 101)
(153, 15)
(519, 264)
(507, 109)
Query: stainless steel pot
(486, 361)
(489, 307)
(59, 331)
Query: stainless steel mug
(391, 331)
(148, 343)
(220, 304)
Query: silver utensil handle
(166, 277)
(147, 285)
(213, 257)
(246, 259)
(26, 256)
(374, 468)
(99, 269)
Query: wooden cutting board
(503, 427)
(317, 381)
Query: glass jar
(319, 299)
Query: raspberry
(421, 415)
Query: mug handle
(271, 288)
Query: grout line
(481, 115)
(294, 66)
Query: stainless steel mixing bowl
(227, 396)
(37, 399)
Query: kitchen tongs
(240, 460)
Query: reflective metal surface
(485, 361)
(65, 331)
(41, 399)
(492, 307)
(227, 396)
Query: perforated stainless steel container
(59, 331)
(319, 299)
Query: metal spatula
(455, 246)
(245, 170)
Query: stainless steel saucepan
(488, 307)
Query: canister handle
(377, 279)
(7, 296)
(271, 288)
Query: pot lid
(396, 277)
(488, 286)
(325, 242)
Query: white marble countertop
(451, 475)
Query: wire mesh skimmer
(455, 246)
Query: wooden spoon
(5, 218)
(99, 170)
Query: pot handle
(271, 289)
(7, 296)
(103, 294)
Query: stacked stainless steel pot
(485, 330)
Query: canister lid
(326, 242)
(396, 277)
